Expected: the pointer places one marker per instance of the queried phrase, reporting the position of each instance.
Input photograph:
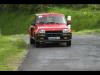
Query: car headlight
(41, 31)
(65, 30)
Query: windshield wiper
(50, 22)
(57, 23)
(41, 23)
(54, 22)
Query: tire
(32, 41)
(68, 43)
(37, 44)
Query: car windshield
(51, 19)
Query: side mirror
(69, 20)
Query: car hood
(51, 27)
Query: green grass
(88, 32)
(12, 50)
(15, 22)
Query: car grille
(53, 33)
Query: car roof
(45, 14)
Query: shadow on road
(50, 45)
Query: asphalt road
(83, 55)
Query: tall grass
(12, 50)
(15, 22)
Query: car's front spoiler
(47, 41)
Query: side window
(40, 19)
(37, 19)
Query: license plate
(53, 38)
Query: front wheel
(68, 43)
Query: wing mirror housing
(69, 20)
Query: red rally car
(50, 27)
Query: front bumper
(44, 37)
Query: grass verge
(88, 32)
(12, 51)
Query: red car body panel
(51, 27)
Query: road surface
(83, 55)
